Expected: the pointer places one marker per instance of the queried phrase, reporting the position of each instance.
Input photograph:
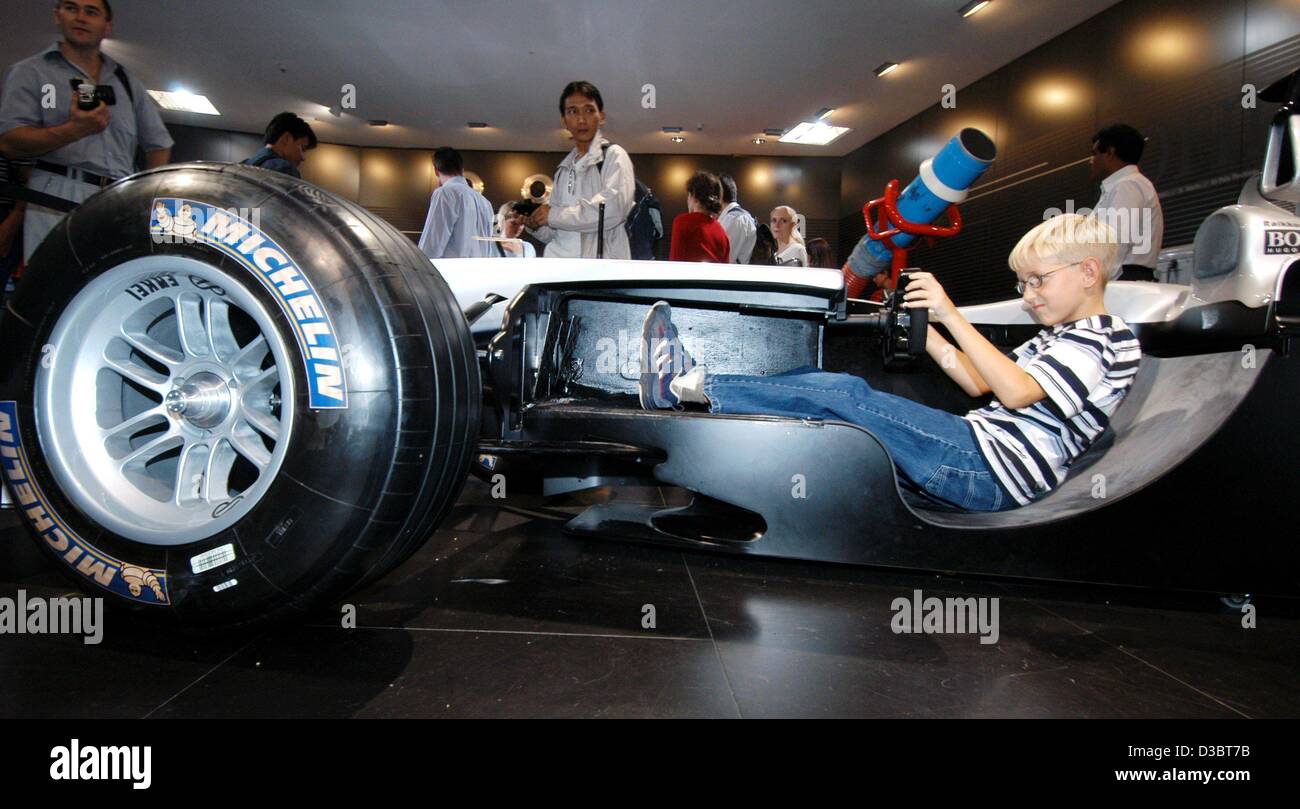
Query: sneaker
(667, 358)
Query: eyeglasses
(1036, 281)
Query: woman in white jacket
(593, 172)
(790, 248)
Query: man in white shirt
(594, 172)
(458, 214)
(739, 223)
(1129, 203)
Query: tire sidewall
(330, 479)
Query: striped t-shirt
(1085, 368)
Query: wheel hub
(203, 400)
(167, 405)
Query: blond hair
(795, 235)
(1070, 238)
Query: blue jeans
(935, 450)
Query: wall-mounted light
(1167, 45)
(886, 68)
(973, 7)
(774, 133)
(672, 130)
(1057, 94)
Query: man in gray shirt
(458, 215)
(77, 151)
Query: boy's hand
(924, 291)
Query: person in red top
(697, 236)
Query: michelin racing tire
(229, 397)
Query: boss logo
(1282, 242)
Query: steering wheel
(905, 330)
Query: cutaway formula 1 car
(227, 396)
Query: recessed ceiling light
(759, 141)
(973, 7)
(813, 133)
(672, 129)
(678, 139)
(476, 125)
(183, 101)
(775, 133)
(377, 122)
(886, 68)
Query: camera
(89, 95)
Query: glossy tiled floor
(502, 615)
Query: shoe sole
(649, 381)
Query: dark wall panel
(198, 143)
(335, 168)
(1172, 68)
(396, 184)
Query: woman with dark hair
(697, 236)
(819, 254)
(764, 253)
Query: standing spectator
(1129, 203)
(738, 222)
(595, 172)
(789, 241)
(288, 139)
(11, 226)
(458, 214)
(819, 254)
(77, 151)
(764, 252)
(697, 235)
(509, 226)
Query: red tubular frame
(884, 222)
